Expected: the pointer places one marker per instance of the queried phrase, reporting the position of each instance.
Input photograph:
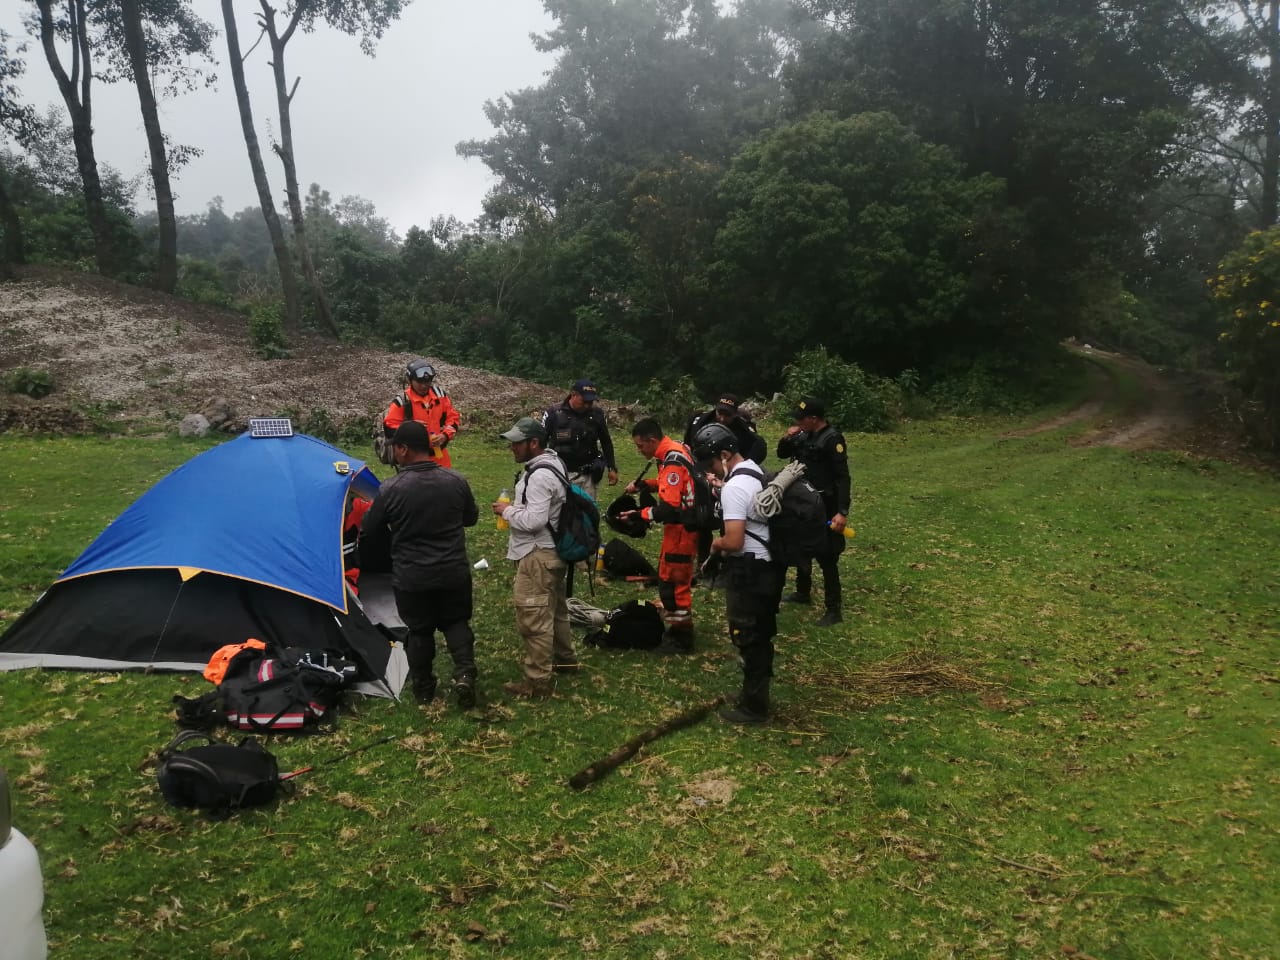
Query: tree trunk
(1271, 112)
(283, 101)
(166, 277)
(288, 279)
(80, 109)
(13, 252)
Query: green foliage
(32, 383)
(672, 403)
(266, 331)
(202, 282)
(1247, 287)
(858, 233)
(855, 400)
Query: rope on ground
(582, 614)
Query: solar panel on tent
(260, 427)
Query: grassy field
(1047, 728)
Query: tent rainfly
(244, 540)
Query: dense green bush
(1248, 288)
(266, 331)
(203, 282)
(855, 400)
(32, 383)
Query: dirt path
(1135, 406)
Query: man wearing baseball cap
(419, 516)
(578, 432)
(727, 411)
(821, 448)
(539, 590)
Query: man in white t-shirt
(753, 582)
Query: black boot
(464, 691)
(424, 691)
(831, 617)
(675, 642)
(752, 706)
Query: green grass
(1106, 784)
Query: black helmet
(419, 369)
(711, 440)
(632, 526)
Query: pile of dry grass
(915, 673)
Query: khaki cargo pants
(542, 613)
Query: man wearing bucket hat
(419, 516)
(817, 444)
(542, 610)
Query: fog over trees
(701, 193)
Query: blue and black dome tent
(244, 540)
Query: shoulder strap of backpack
(680, 458)
(182, 737)
(759, 477)
(564, 478)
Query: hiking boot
(424, 693)
(797, 598)
(528, 689)
(675, 643)
(741, 714)
(568, 666)
(831, 617)
(464, 693)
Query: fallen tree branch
(589, 775)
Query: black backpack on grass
(218, 778)
(623, 560)
(636, 625)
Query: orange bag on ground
(217, 668)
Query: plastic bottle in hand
(848, 532)
(503, 497)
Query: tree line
(938, 192)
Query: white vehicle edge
(21, 889)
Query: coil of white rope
(769, 499)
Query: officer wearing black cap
(577, 431)
(821, 448)
(728, 412)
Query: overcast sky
(383, 128)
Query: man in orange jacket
(429, 405)
(675, 492)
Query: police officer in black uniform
(577, 431)
(727, 413)
(821, 448)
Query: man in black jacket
(423, 511)
(821, 448)
(728, 413)
(577, 431)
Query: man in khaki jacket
(542, 610)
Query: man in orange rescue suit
(674, 489)
(430, 406)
